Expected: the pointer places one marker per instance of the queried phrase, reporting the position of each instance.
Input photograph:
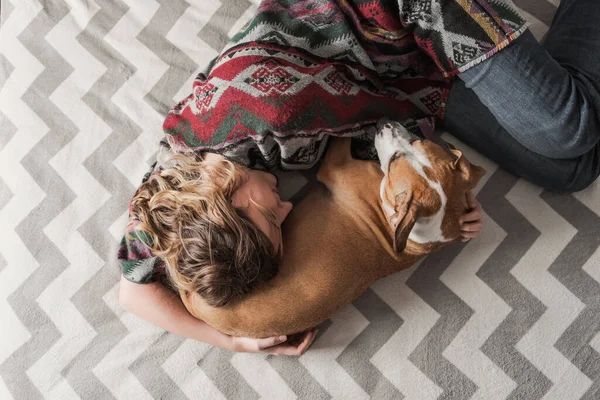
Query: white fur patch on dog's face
(394, 141)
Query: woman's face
(261, 187)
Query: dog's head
(424, 186)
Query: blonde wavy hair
(209, 246)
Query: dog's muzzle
(391, 138)
(393, 129)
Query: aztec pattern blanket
(302, 70)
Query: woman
(380, 71)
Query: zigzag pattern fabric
(302, 70)
(84, 89)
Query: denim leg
(472, 122)
(534, 108)
(546, 96)
(574, 42)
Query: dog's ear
(477, 173)
(471, 173)
(403, 219)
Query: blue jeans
(535, 108)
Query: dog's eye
(396, 156)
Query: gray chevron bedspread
(84, 87)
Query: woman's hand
(273, 345)
(471, 223)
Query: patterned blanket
(302, 70)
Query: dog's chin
(384, 152)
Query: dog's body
(338, 240)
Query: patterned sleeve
(137, 262)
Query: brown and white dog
(365, 222)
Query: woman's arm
(155, 303)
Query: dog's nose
(381, 124)
(393, 130)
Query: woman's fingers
(473, 206)
(290, 350)
(466, 236)
(308, 339)
(282, 350)
(471, 223)
(472, 202)
(471, 217)
(270, 342)
(471, 227)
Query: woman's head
(215, 223)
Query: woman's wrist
(202, 332)
(226, 342)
